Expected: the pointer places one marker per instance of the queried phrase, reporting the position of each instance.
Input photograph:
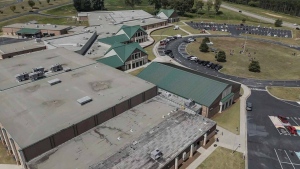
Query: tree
(278, 23)
(12, 8)
(77, 5)
(132, 3)
(209, 5)
(198, 4)
(157, 3)
(206, 40)
(22, 7)
(254, 66)
(221, 56)
(96, 4)
(1, 11)
(86, 5)
(182, 5)
(244, 20)
(48, 1)
(217, 5)
(31, 3)
(203, 47)
(165, 3)
(40, 2)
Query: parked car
(213, 66)
(193, 58)
(205, 63)
(171, 55)
(248, 106)
(179, 36)
(188, 58)
(297, 28)
(175, 37)
(167, 52)
(292, 130)
(218, 67)
(199, 61)
(209, 64)
(176, 27)
(283, 119)
(191, 39)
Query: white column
(22, 160)
(192, 150)
(176, 163)
(6, 140)
(14, 150)
(220, 107)
(205, 137)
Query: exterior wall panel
(136, 100)
(37, 149)
(151, 93)
(104, 116)
(63, 136)
(121, 107)
(85, 125)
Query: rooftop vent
(37, 26)
(36, 75)
(156, 154)
(22, 77)
(56, 68)
(143, 21)
(84, 100)
(54, 81)
(67, 69)
(38, 69)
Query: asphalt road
(267, 149)
(252, 83)
(287, 24)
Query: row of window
(136, 55)
(139, 34)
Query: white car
(191, 40)
(194, 58)
(178, 36)
(176, 27)
(295, 24)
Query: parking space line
(289, 159)
(294, 121)
(278, 159)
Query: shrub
(254, 66)
(278, 23)
(203, 47)
(221, 56)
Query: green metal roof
(125, 50)
(201, 89)
(113, 39)
(113, 61)
(131, 30)
(226, 98)
(167, 12)
(28, 31)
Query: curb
(278, 97)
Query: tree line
(88, 5)
(291, 7)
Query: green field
(266, 13)
(169, 32)
(8, 12)
(222, 158)
(286, 93)
(230, 118)
(276, 62)
(43, 20)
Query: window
(129, 66)
(137, 64)
(133, 65)
(141, 63)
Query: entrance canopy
(28, 31)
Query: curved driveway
(252, 83)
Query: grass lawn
(273, 58)
(168, 31)
(4, 158)
(4, 2)
(136, 72)
(230, 118)
(290, 41)
(148, 49)
(287, 93)
(190, 29)
(222, 158)
(8, 12)
(67, 10)
(43, 20)
(266, 13)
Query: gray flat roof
(100, 148)
(46, 58)
(20, 46)
(40, 26)
(72, 42)
(36, 110)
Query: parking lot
(288, 159)
(242, 29)
(286, 126)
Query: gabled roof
(187, 84)
(28, 31)
(113, 39)
(125, 50)
(113, 61)
(131, 30)
(167, 12)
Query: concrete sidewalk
(10, 166)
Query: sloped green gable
(201, 89)
(113, 39)
(113, 61)
(131, 30)
(167, 12)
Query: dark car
(297, 28)
(213, 66)
(175, 37)
(171, 55)
(199, 61)
(218, 67)
(188, 58)
(240, 11)
(186, 41)
(167, 52)
(209, 64)
(205, 63)
(283, 119)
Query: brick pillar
(176, 163)
(205, 137)
(192, 150)
(7, 141)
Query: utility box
(156, 154)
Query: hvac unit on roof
(22, 77)
(54, 26)
(56, 68)
(54, 81)
(143, 21)
(36, 75)
(38, 69)
(37, 26)
(156, 154)
(84, 100)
